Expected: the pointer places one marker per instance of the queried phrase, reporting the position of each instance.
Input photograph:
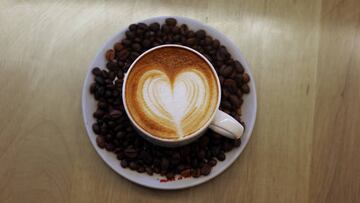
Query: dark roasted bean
(200, 34)
(235, 101)
(124, 163)
(130, 34)
(118, 46)
(212, 162)
(100, 141)
(171, 21)
(185, 173)
(245, 88)
(132, 27)
(149, 171)
(154, 27)
(239, 67)
(133, 165)
(205, 170)
(220, 156)
(245, 78)
(96, 71)
(136, 47)
(226, 71)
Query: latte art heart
(171, 93)
(174, 102)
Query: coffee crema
(171, 92)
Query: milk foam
(173, 101)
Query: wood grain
(306, 63)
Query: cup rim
(192, 135)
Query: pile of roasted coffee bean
(113, 128)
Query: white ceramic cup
(219, 121)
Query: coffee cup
(171, 94)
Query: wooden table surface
(305, 56)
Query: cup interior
(199, 131)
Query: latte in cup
(171, 92)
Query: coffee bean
(170, 21)
(245, 88)
(132, 27)
(226, 71)
(123, 54)
(96, 71)
(212, 162)
(134, 55)
(237, 142)
(200, 34)
(98, 113)
(156, 169)
(194, 163)
(190, 34)
(92, 88)
(216, 43)
(238, 66)
(190, 41)
(149, 171)
(227, 146)
(109, 147)
(165, 29)
(146, 43)
(130, 152)
(238, 80)
(118, 46)
(100, 141)
(115, 114)
(186, 173)
(137, 39)
(175, 30)
(201, 154)
(215, 149)
(146, 157)
(100, 80)
(142, 26)
(220, 156)
(204, 141)
(126, 42)
(235, 101)
(120, 155)
(245, 78)
(170, 175)
(133, 165)
(196, 173)
(124, 163)
(141, 169)
(164, 164)
(136, 47)
(180, 167)
(205, 170)
(225, 93)
(230, 84)
(154, 27)
(96, 128)
(130, 34)
(148, 35)
(184, 29)
(177, 38)
(208, 40)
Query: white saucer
(248, 112)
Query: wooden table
(305, 56)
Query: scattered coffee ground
(113, 128)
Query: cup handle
(226, 125)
